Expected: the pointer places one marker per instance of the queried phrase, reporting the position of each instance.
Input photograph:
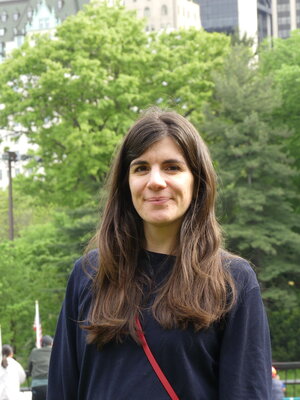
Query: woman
(158, 257)
(12, 375)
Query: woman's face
(161, 185)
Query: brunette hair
(199, 289)
(7, 351)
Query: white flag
(37, 326)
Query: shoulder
(14, 364)
(33, 353)
(87, 264)
(79, 287)
(241, 272)
(85, 269)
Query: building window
(19, 39)
(44, 23)
(2, 31)
(4, 16)
(60, 4)
(283, 7)
(164, 10)
(147, 12)
(29, 13)
(284, 21)
(16, 16)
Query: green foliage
(36, 266)
(282, 61)
(75, 96)
(284, 323)
(255, 173)
(181, 71)
(25, 211)
(28, 272)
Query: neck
(160, 239)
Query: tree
(29, 272)
(282, 62)
(25, 211)
(182, 68)
(284, 322)
(76, 94)
(73, 95)
(36, 266)
(255, 172)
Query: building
(252, 18)
(286, 17)
(18, 17)
(166, 14)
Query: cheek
(134, 188)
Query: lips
(158, 200)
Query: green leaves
(36, 266)
(76, 94)
(73, 96)
(282, 62)
(255, 172)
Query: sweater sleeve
(64, 370)
(245, 359)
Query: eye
(140, 168)
(173, 168)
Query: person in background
(157, 266)
(12, 375)
(278, 387)
(38, 368)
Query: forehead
(163, 148)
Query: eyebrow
(169, 161)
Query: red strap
(154, 363)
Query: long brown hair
(199, 290)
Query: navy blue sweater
(229, 361)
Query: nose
(156, 180)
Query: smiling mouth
(158, 200)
